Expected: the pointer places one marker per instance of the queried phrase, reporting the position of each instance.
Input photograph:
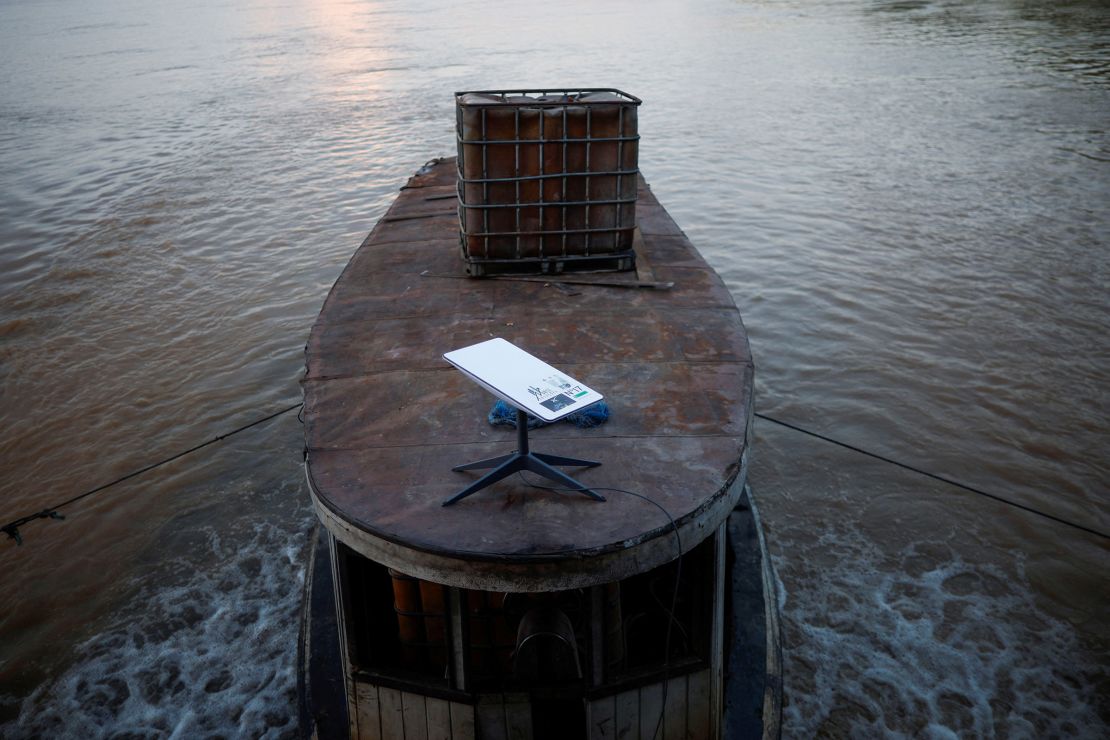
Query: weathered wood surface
(638, 713)
(383, 713)
(386, 417)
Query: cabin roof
(386, 417)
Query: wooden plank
(367, 712)
(490, 715)
(651, 710)
(415, 714)
(698, 706)
(686, 400)
(439, 719)
(628, 715)
(644, 273)
(601, 717)
(352, 711)
(457, 640)
(518, 717)
(674, 718)
(358, 347)
(462, 721)
(717, 643)
(597, 635)
(392, 713)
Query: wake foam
(213, 654)
(930, 646)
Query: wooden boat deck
(386, 417)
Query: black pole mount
(524, 459)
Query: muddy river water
(908, 200)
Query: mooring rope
(934, 476)
(51, 512)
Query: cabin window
(637, 611)
(519, 640)
(396, 625)
(399, 627)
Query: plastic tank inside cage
(547, 179)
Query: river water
(908, 200)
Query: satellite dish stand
(524, 459)
(529, 385)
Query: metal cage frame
(584, 243)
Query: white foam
(926, 647)
(213, 652)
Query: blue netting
(502, 414)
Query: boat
(527, 610)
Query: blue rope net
(502, 414)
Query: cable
(934, 476)
(51, 512)
(671, 618)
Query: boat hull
(522, 611)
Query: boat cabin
(589, 661)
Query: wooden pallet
(615, 262)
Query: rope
(934, 476)
(51, 512)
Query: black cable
(674, 596)
(12, 528)
(934, 476)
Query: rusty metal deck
(386, 417)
